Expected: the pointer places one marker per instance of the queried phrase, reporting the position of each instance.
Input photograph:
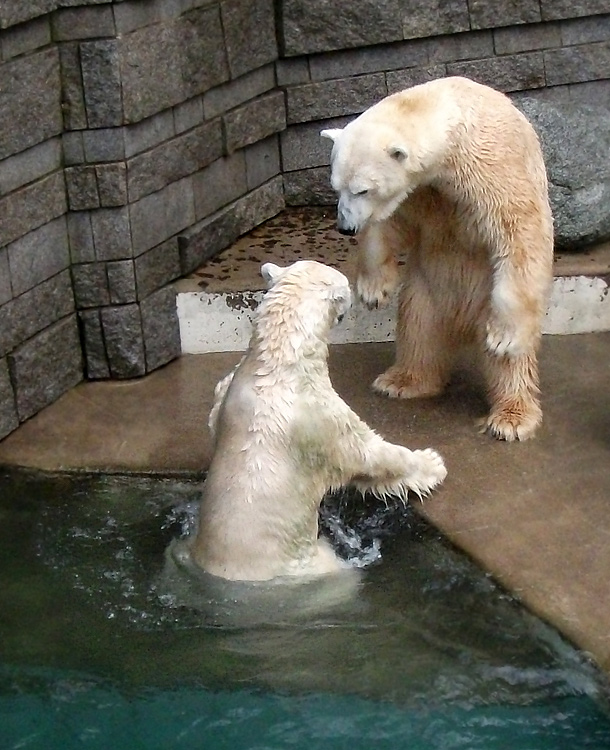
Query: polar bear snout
(349, 220)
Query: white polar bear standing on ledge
(450, 175)
(283, 438)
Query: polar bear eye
(361, 192)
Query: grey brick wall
(136, 139)
(139, 138)
(546, 48)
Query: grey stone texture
(221, 99)
(90, 283)
(165, 64)
(30, 109)
(434, 17)
(148, 133)
(102, 83)
(9, 420)
(83, 23)
(121, 281)
(585, 30)
(45, 367)
(81, 184)
(262, 162)
(25, 38)
(96, 361)
(103, 144)
(506, 73)
(254, 121)
(174, 159)
(157, 267)
(73, 148)
(112, 184)
(355, 62)
(225, 180)
(160, 328)
(302, 147)
(38, 255)
(514, 39)
(122, 331)
(29, 165)
(111, 233)
(574, 137)
(36, 309)
(307, 187)
(80, 235)
(72, 95)
(485, 14)
(556, 9)
(5, 280)
(585, 62)
(398, 80)
(292, 70)
(343, 96)
(18, 11)
(250, 36)
(188, 115)
(159, 216)
(320, 26)
(31, 207)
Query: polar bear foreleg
(521, 284)
(386, 469)
(424, 350)
(220, 392)
(377, 273)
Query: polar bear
(283, 438)
(450, 176)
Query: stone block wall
(139, 138)
(339, 58)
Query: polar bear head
(383, 155)
(303, 302)
(309, 284)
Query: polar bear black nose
(350, 231)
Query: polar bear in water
(284, 438)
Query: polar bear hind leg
(424, 355)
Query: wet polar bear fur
(283, 438)
(449, 175)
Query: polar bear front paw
(428, 471)
(376, 290)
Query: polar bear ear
(270, 273)
(399, 153)
(332, 133)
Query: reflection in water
(87, 589)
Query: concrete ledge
(215, 304)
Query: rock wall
(140, 137)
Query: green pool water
(104, 645)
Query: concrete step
(216, 302)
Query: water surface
(103, 645)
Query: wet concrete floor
(534, 514)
